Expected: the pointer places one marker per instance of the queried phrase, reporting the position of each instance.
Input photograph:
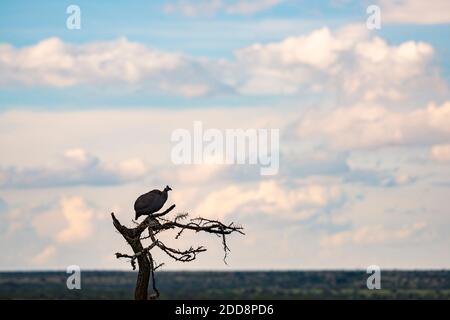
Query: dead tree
(155, 224)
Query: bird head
(167, 188)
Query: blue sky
(86, 118)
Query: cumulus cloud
(211, 7)
(415, 11)
(270, 198)
(54, 63)
(373, 127)
(350, 63)
(77, 167)
(70, 220)
(78, 216)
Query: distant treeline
(231, 285)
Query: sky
(86, 118)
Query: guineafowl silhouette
(150, 202)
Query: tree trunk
(141, 291)
(132, 236)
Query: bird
(150, 202)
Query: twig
(155, 224)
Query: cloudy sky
(86, 118)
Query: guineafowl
(150, 202)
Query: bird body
(150, 202)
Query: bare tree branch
(156, 224)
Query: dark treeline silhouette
(231, 285)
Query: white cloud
(44, 256)
(441, 153)
(78, 217)
(372, 235)
(77, 167)
(132, 168)
(373, 127)
(319, 49)
(186, 90)
(79, 157)
(69, 221)
(271, 198)
(211, 7)
(350, 63)
(131, 146)
(54, 63)
(196, 174)
(415, 11)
